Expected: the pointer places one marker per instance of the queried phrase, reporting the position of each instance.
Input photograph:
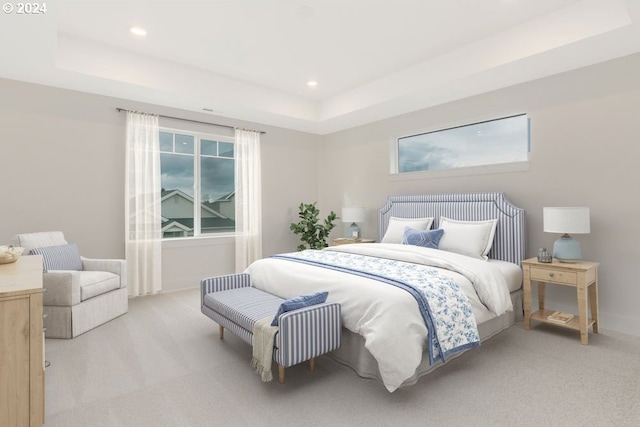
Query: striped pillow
(63, 257)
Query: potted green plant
(312, 234)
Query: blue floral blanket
(443, 305)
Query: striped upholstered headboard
(509, 242)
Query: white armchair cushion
(63, 257)
(67, 288)
(94, 283)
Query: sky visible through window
(493, 142)
(217, 173)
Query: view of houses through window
(198, 195)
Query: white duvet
(387, 317)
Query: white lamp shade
(566, 220)
(353, 215)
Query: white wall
(62, 168)
(585, 152)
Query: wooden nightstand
(347, 240)
(581, 275)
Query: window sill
(465, 171)
(190, 242)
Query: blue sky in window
(177, 173)
(217, 175)
(177, 168)
(493, 142)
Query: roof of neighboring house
(170, 223)
(167, 194)
(227, 197)
(206, 223)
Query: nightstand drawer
(551, 275)
(347, 241)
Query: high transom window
(498, 141)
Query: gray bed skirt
(353, 354)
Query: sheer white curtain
(143, 205)
(248, 198)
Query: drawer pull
(550, 274)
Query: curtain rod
(189, 120)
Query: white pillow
(471, 238)
(395, 230)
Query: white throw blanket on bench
(263, 336)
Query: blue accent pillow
(424, 238)
(63, 257)
(299, 302)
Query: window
(197, 176)
(504, 140)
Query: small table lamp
(565, 221)
(353, 215)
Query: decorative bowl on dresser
(10, 254)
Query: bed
(386, 334)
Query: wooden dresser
(21, 343)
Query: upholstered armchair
(80, 293)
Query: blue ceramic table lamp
(353, 215)
(566, 221)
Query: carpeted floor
(162, 364)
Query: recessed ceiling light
(138, 31)
(312, 83)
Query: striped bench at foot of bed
(303, 334)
